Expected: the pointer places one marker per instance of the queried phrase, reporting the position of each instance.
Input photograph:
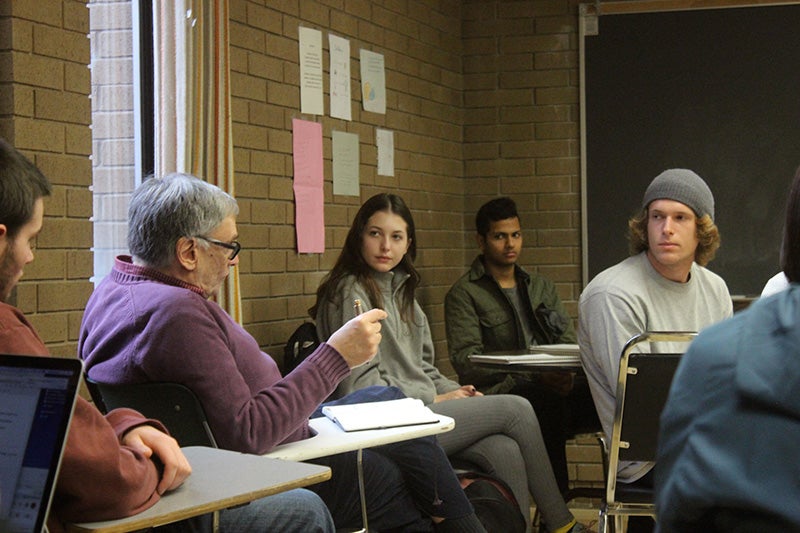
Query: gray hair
(162, 210)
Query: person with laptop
(153, 319)
(119, 464)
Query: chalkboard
(716, 91)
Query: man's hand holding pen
(358, 339)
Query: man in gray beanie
(663, 286)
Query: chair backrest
(642, 389)
(646, 392)
(173, 404)
(300, 345)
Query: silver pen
(358, 310)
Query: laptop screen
(37, 396)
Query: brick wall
(522, 126)
(482, 97)
(422, 47)
(45, 112)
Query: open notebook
(380, 415)
(37, 396)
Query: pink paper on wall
(308, 195)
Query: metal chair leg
(362, 491)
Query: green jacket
(479, 318)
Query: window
(122, 118)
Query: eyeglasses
(233, 246)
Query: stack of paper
(558, 355)
(556, 349)
(380, 415)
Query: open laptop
(37, 397)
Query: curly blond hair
(707, 236)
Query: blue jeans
(299, 511)
(406, 482)
(295, 511)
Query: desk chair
(642, 389)
(173, 404)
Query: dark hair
(498, 209)
(21, 184)
(351, 262)
(790, 253)
(708, 239)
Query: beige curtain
(193, 105)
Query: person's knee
(492, 453)
(518, 407)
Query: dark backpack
(494, 502)
(301, 344)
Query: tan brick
(79, 203)
(51, 327)
(298, 306)
(286, 284)
(61, 44)
(282, 48)
(268, 261)
(76, 16)
(249, 86)
(315, 13)
(40, 135)
(63, 296)
(80, 264)
(283, 95)
(38, 71)
(48, 264)
(246, 136)
(45, 11)
(19, 34)
(249, 38)
(280, 141)
(254, 286)
(557, 95)
(269, 309)
(263, 18)
(72, 233)
(269, 68)
(77, 78)
(282, 237)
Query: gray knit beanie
(684, 186)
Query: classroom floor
(583, 512)
(586, 516)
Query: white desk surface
(330, 439)
(220, 479)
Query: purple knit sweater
(140, 325)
